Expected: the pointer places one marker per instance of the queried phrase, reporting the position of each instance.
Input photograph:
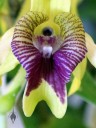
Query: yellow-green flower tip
(50, 7)
(91, 46)
(46, 93)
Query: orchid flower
(50, 43)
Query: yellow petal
(46, 93)
(80, 69)
(91, 47)
(78, 75)
(50, 7)
(74, 86)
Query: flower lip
(47, 31)
(65, 49)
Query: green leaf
(88, 88)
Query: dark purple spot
(47, 31)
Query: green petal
(78, 75)
(46, 93)
(8, 100)
(91, 47)
(50, 7)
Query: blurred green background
(81, 112)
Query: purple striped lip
(52, 58)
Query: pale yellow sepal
(74, 6)
(24, 9)
(78, 75)
(7, 60)
(80, 69)
(5, 44)
(91, 47)
(50, 7)
(74, 86)
(46, 93)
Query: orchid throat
(45, 38)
